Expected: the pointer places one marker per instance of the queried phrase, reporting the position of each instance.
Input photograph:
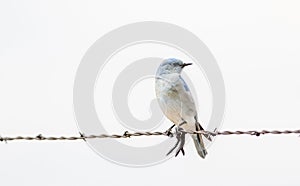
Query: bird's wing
(186, 91)
(186, 95)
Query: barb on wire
(127, 134)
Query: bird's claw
(180, 135)
(182, 150)
(169, 133)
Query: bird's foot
(169, 133)
(180, 135)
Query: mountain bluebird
(176, 102)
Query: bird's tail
(197, 138)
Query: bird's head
(171, 65)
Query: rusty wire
(127, 134)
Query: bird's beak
(186, 64)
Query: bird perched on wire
(177, 104)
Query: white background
(256, 44)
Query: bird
(176, 102)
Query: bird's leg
(180, 135)
(168, 132)
(182, 141)
(178, 140)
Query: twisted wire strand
(127, 134)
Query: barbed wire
(127, 134)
